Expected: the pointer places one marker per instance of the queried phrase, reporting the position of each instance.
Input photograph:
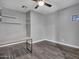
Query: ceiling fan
(40, 3)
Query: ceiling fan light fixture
(40, 3)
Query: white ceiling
(57, 5)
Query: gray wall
(12, 32)
(38, 24)
(66, 30)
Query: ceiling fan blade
(35, 0)
(36, 6)
(49, 5)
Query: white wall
(51, 26)
(56, 26)
(66, 30)
(0, 4)
(38, 24)
(12, 32)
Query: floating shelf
(8, 17)
(13, 23)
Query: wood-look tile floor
(41, 50)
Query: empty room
(39, 29)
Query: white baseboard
(73, 46)
(39, 40)
(4, 45)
